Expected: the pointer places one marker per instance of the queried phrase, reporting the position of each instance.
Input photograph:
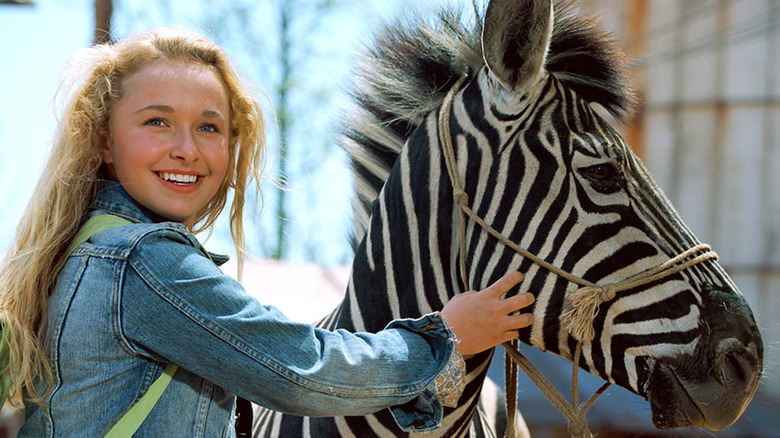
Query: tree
(280, 39)
(103, 12)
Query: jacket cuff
(449, 384)
(426, 412)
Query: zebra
(540, 162)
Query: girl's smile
(180, 181)
(168, 138)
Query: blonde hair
(71, 179)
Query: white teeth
(177, 178)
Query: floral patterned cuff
(449, 384)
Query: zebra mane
(413, 63)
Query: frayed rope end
(585, 302)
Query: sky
(38, 43)
(41, 40)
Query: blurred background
(708, 127)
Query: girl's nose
(185, 147)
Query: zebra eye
(604, 178)
(599, 172)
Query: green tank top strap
(132, 420)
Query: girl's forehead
(174, 79)
(167, 70)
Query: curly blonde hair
(71, 179)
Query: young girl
(160, 131)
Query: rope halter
(583, 304)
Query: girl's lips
(180, 181)
(179, 177)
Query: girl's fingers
(504, 284)
(522, 320)
(481, 320)
(518, 302)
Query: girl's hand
(482, 320)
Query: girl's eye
(209, 127)
(155, 122)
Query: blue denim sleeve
(425, 411)
(177, 306)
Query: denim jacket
(137, 297)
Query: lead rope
(584, 302)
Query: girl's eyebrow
(212, 114)
(163, 108)
(167, 109)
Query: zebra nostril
(735, 364)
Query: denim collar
(113, 199)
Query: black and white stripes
(539, 165)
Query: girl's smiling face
(168, 138)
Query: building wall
(708, 73)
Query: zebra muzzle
(712, 386)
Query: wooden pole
(636, 13)
(103, 11)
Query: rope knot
(608, 292)
(461, 198)
(578, 428)
(585, 302)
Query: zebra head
(558, 180)
(540, 165)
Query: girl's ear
(105, 147)
(106, 155)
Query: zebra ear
(515, 39)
